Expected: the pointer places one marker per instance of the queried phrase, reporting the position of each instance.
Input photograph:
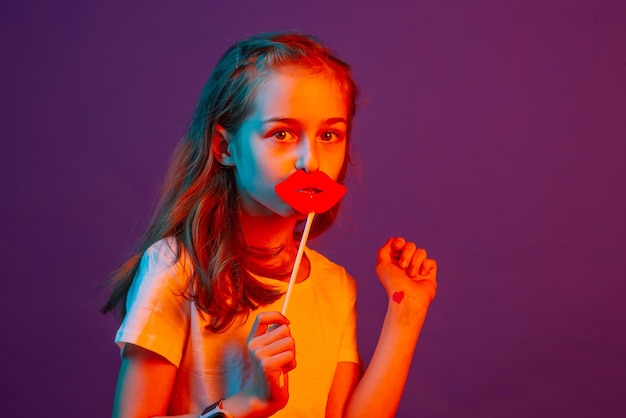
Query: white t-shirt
(213, 366)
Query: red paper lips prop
(314, 192)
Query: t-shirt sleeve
(157, 317)
(349, 351)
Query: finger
(390, 251)
(263, 321)
(416, 262)
(277, 362)
(276, 334)
(290, 366)
(428, 268)
(384, 253)
(398, 243)
(277, 356)
(272, 343)
(406, 255)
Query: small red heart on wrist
(398, 296)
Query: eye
(331, 136)
(283, 136)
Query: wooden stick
(294, 274)
(296, 266)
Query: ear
(221, 147)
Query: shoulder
(166, 254)
(331, 272)
(164, 251)
(322, 262)
(164, 265)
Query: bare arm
(144, 384)
(410, 281)
(146, 379)
(346, 377)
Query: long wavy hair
(199, 204)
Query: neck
(268, 232)
(272, 249)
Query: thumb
(385, 253)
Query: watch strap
(215, 411)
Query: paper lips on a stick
(308, 194)
(314, 192)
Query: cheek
(255, 164)
(333, 162)
(271, 173)
(247, 171)
(275, 165)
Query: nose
(308, 158)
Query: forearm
(380, 389)
(145, 385)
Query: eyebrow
(329, 121)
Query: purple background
(493, 135)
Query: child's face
(298, 122)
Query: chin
(268, 208)
(289, 212)
(275, 210)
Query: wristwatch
(215, 411)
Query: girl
(201, 333)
